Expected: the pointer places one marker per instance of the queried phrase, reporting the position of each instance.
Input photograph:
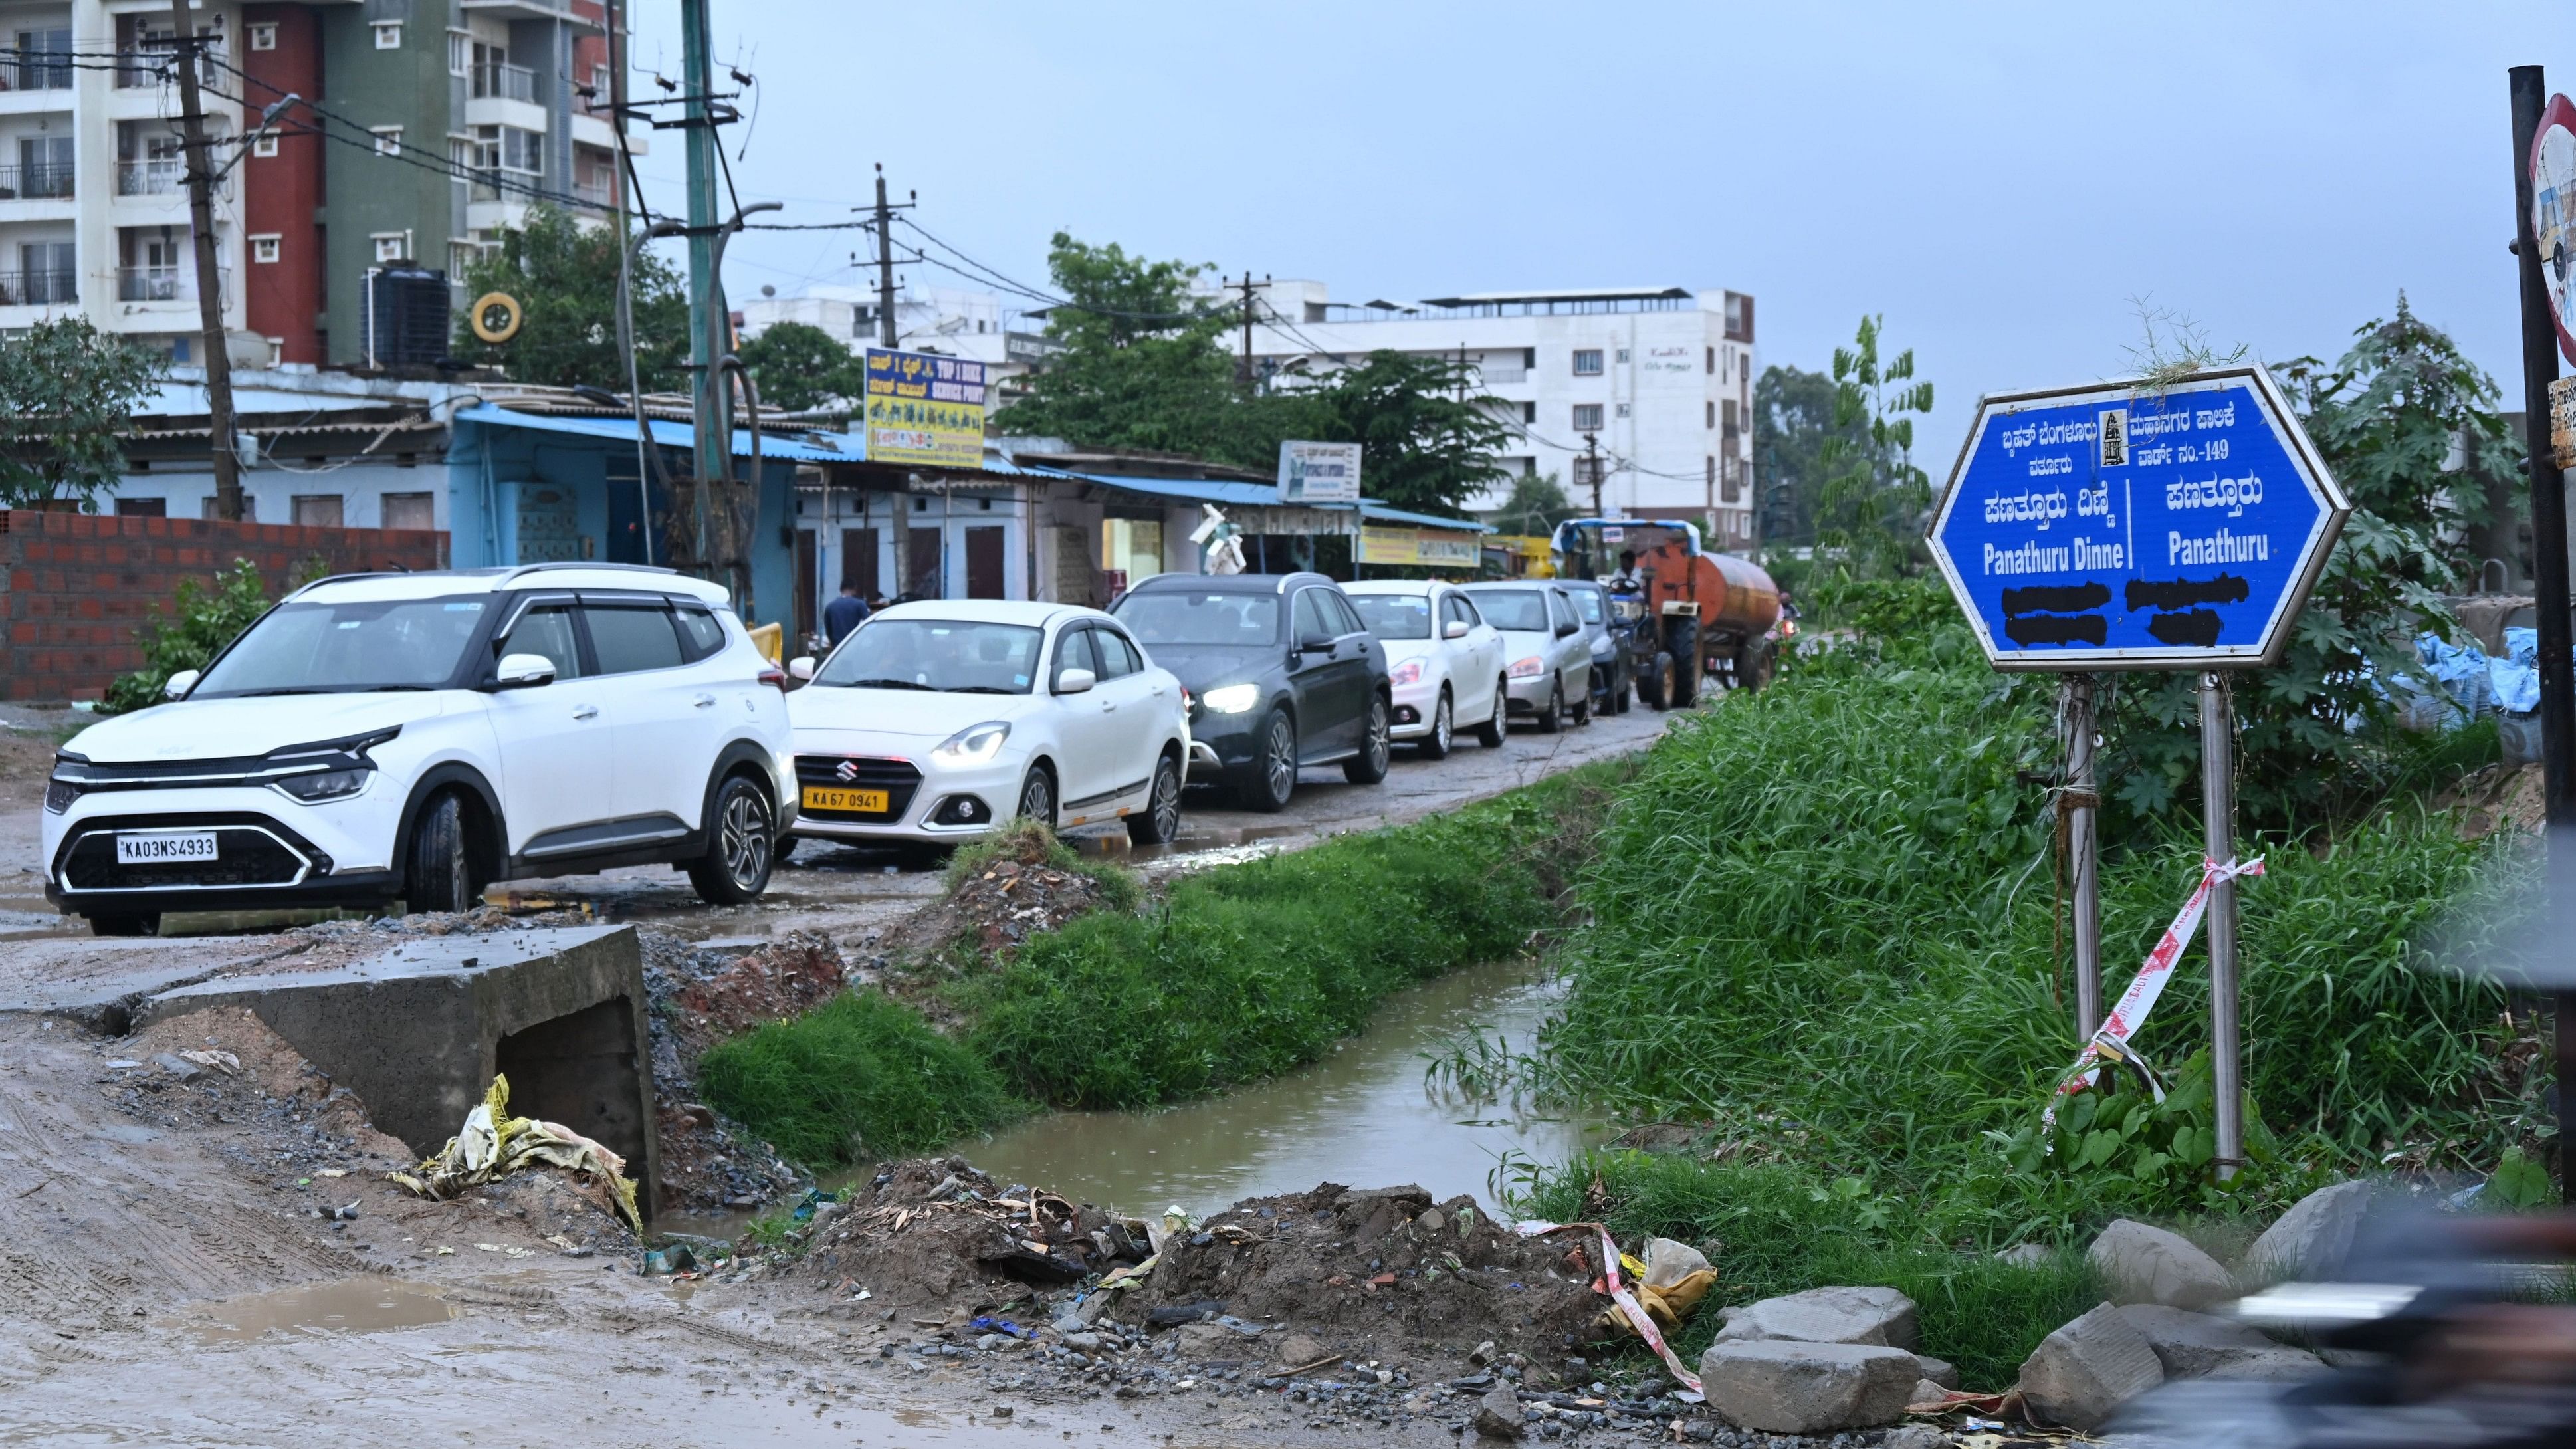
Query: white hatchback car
(1443, 661)
(939, 720)
(1551, 660)
(415, 736)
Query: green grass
(1779, 1232)
(860, 1077)
(1236, 973)
(1832, 904)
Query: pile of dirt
(697, 998)
(1020, 883)
(792, 976)
(1383, 1272)
(2497, 797)
(224, 1067)
(935, 1234)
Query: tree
(1427, 443)
(1535, 506)
(2401, 418)
(1139, 365)
(1870, 504)
(798, 366)
(67, 391)
(1793, 417)
(564, 275)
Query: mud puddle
(355, 1305)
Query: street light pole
(210, 290)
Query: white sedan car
(1443, 660)
(937, 721)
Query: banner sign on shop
(1437, 548)
(924, 409)
(1319, 473)
(2137, 526)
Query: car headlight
(60, 793)
(325, 785)
(1529, 668)
(974, 744)
(1409, 672)
(1232, 698)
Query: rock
(1295, 1350)
(1431, 1220)
(2088, 1368)
(2313, 1237)
(2140, 1264)
(1915, 1436)
(2027, 1255)
(1481, 1355)
(1085, 1342)
(1880, 1316)
(1172, 1315)
(1925, 1392)
(1498, 1414)
(1784, 1386)
(178, 1066)
(1939, 1370)
(1069, 1323)
(2198, 1345)
(1203, 1341)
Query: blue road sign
(2125, 526)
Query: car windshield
(1395, 616)
(347, 648)
(1185, 619)
(1524, 610)
(952, 656)
(1588, 603)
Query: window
(264, 144)
(1454, 609)
(1237, 620)
(1730, 417)
(1073, 651)
(317, 510)
(461, 257)
(629, 639)
(1734, 476)
(1623, 354)
(599, 86)
(701, 635)
(1712, 361)
(1529, 412)
(1587, 417)
(263, 34)
(1712, 414)
(1118, 656)
(1619, 410)
(546, 631)
(1712, 470)
(1559, 612)
(263, 248)
(460, 53)
(418, 511)
(510, 148)
(392, 246)
(143, 508)
(44, 60)
(388, 35)
(389, 140)
(1338, 609)
(1309, 615)
(1587, 362)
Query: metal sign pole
(2082, 804)
(2218, 813)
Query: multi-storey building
(1656, 383)
(952, 321)
(425, 128)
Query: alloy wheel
(1279, 761)
(745, 839)
(1167, 801)
(1442, 728)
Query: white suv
(416, 736)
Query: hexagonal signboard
(2137, 526)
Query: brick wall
(74, 587)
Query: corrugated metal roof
(1227, 492)
(670, 435)
(1380, 513)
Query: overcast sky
(1998, 180)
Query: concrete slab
(99, 980)
(418, 1031)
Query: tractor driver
(1626, 580)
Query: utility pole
(711, 390)
(210, 290)
(885, 265)
(1592, 466)
(1243, 367)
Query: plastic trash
(492, 1144)
(988, 1324)
(674, 1259)
(2522, 646)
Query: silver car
(1546, 656)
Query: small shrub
(862, 1077)
(202, 619)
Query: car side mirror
(1454, 629)
(1563, 630)
(1315, 644)
(802, 666)
(1075, 681)
(524, 671)
(180, 683)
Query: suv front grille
(900, 779)
(245, 856)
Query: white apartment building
(93, 201)
(1659, 379)
(951, 321)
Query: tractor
(1693, 614)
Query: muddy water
(1363, 1116)
(354, 1305)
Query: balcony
(150, 67)
(594, 193)
(43, 181)
(1497, 374)
(506, 184)
(36, 75)
(505, 83)
(38, 289)
(154, 176)
(164, 284)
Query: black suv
(1281, 673)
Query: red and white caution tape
(1609, 1286)
(2111, 1043)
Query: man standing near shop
(843, 614)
